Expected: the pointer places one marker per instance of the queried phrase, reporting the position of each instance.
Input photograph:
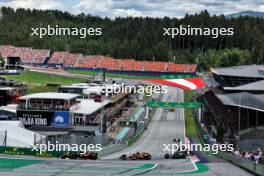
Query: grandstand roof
(93, 89)
(89, 106)
(255, 71)
(210, 81)
(243, 99)
(50, 95)
(18, 136)
(10, 108)
(127, 81)
(255, 86)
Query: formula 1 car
(136, 156)
(176, 140)
(176, 155)
(84, 156)
(70, 155)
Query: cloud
(160, 8)
(153, 8)
(33, 4)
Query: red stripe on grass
(169, 83)
(197, 81)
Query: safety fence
(257, 169)
(141, 131)
(112, 149)
(132, 73)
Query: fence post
(5, 139)
(262, 173)
(35, 139)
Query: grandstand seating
(97, 61)
(155, 66)
(228, 115)
(27, 55)
(227, 118)
(32, 56)
(130, 64)
(73, 59)
(59, 57)
(107, 62)
(41, 55)
(7, 51)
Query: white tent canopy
(18, 136)
(12, 122)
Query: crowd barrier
(257, 169)
(130, 72)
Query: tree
(2, 61)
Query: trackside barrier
(135, 138)
(28, 151)
(256, 169)
(112, 149)
(132, 73)
(141, 131)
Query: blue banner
(60, 119)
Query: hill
(140, 38)
(248, 13)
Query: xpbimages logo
(188, 147)
(65, 31)
(49, 147)
(147, 90)
(197, 31)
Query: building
(46, 109)
(233, 103)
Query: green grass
(36, 89)
(190, 127)
(37, 82)
(30, 77)
(90, 73)
(13, 163)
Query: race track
(162, 129)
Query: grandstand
(30, 56)
(246, 77)
(234, 101)
(25, 55)
(58, 57)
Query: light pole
(239, 118)
(102, 103)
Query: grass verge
(190, 128)
(37, 82)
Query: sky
(153, 8)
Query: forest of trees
(141, 38)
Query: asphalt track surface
(162, 129)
